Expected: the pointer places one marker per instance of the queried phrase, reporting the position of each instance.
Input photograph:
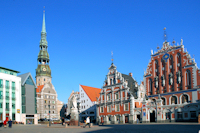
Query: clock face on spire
(44, 69)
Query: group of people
(9, 122)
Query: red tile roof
(39, 89)
(93, 93)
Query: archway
(152, 116)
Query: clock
(44, 69)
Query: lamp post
(78, 105)
(49, 112)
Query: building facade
(59, 107)
(46, 93)
(119, 97)
(47, 102)
(10, 95)
(29, 99)
(88, 100)
(172, 83)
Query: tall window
(184, 98)
(13, 85)
(7, 95)
(109, 108)
(7, 106)
(126, 107)
(1, 83)
(1, 94)
(163, 101)
(114, 81)
(117, 107)
(188, 78)
(7, 84)
(101, 109)
(110, 81)
(150, 86)
(108, 96)
(173, 100)
(117, 95)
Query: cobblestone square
(121, 128)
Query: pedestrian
(87, 122)
(137, 120)
(63, 120)
(5, 123)
(10, 123)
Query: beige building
(59, 107)
(47, 101)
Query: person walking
(5, 123)
(137, 120)
(63, 120)
(10, 123)
(87, 122)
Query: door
(126, 119)
(152, 116)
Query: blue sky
(82, 33)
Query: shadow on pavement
(149, 128)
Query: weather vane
(112, 56)
(165, 34)
(44, 9)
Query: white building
(88, 100)
(10, 95)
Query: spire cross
(112, 56)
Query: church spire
(43, 23)
(43, 71)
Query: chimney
(130, 74)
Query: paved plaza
(121, 128)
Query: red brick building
(173, 76)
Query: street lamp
(49, 112)
(79, 106)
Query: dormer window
(110, 81)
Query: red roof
(93, 93)
(39, 89)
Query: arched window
(163, 101)
(171, 63)
(156, 66)
(150, 86)
(110, 81)
(114, 81)
(154, 101)
(179, 61)
(188, 79)
(173, 100)
(184, 98)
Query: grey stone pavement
(119, 128)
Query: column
(159, 109)
(132, 106)
(106, 119)
(144, 111)
(122, 119)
